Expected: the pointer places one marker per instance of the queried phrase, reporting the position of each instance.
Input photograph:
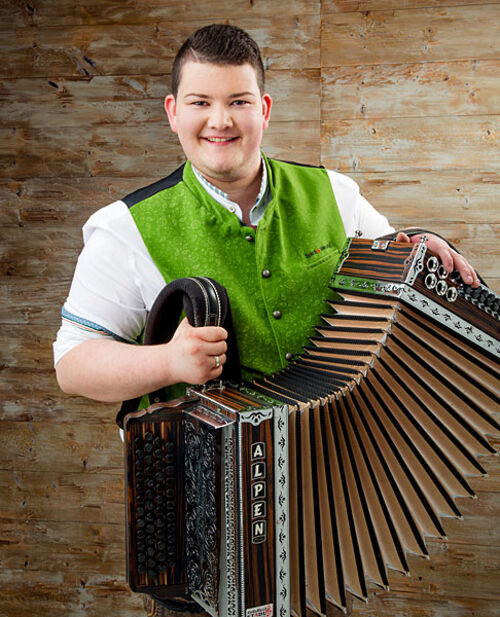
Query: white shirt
(116, 282)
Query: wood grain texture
(401, 95)
(414, 144)
(348, 6)
(467, 88)
(60, 593)
(391, 37)
(91, 12)
(103, 49)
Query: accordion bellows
(290, 493)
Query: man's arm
(110, 371)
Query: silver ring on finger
(217, 361)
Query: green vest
(276, 276)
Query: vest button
(266, 274)
(249, 238)
(288, 356)
(277, 314)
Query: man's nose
(220, 117)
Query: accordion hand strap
(205, 303)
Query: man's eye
(239, 102)
(199, 103)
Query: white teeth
(219, 139)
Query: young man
(230, 213)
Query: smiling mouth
(219, 140)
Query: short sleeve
(356, 212)
(114, 284)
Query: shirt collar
(259, 207)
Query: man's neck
(243, 192)
(245, 196)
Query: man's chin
(222, 174)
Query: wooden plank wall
(400, 95)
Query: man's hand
(197, 355)
(108, 370)
(450, 259)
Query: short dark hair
(219, 44)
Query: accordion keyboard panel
(156, 538)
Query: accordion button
(277, 314)
(266, 274)
(249, 238)
(288, 356)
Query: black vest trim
(150, 190)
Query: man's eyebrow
(236, 95)
(200, 96)
(240, 94)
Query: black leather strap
(205, 303)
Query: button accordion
(284, 495)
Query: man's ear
(170, 108)
(267, 103)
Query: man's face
(219, 116)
